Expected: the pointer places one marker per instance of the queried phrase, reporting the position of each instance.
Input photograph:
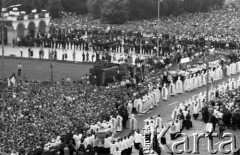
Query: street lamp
(158, 21)
(51, 64)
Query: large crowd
(37, 113)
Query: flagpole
(159, 1)
(51, 65)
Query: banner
(185, 60)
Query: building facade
(18, 24)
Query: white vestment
(191, 84)
(186, 84)
(164, 93)
(119, 120)
(179, 86)
(172, 90)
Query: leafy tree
(95, 7)
(115, 12)
(77, 6)
(142, 9)
(55, 8)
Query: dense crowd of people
(38, 113)
(182, 33)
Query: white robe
(113, 123)
(172, 90)
(174, 114)
(238, 82)
(158, 123)
(139, 107)
(199, 81)
(186, 85)
(164, 93)
(129, 109)
(225, 88)
(220, 73)
(234, 68)
(133, 123)
(119, 120)
(157, 91)
(230, 85)
(204, 79)
(179, 87)
(196, 109)
(195, 82)
(191, 84)
(228, 72)
(238, 67)
(211, 96)
(234, 84)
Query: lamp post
(207, 54)
(158, 21)
(51, 65)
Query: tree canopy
(118, 11)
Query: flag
(12, 79)
(9, 83)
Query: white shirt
(138, 138)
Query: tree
(77, 6)
(142, 9)
(55, 8)
(115, 12)
(95, 7)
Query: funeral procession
(120, 77)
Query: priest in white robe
(158, 124)
(165, 93)
(113, 123)
(228, 70)
(238, 67)
(195, 82)
(225, 87)
(196, 110)
(129, 108)
(191, 84)
(230, 87)
(119, 120)
(174, 113)
(199, 81)
(186, 84)
(133, 123)
(220, 90)
(234, 84)
(139, 107)
(238, 82)
(172, 90)
(179, 86)
(157, 93)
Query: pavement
(15, 52)
(165, 109)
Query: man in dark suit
(83, 57)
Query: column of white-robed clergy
(153, 99)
